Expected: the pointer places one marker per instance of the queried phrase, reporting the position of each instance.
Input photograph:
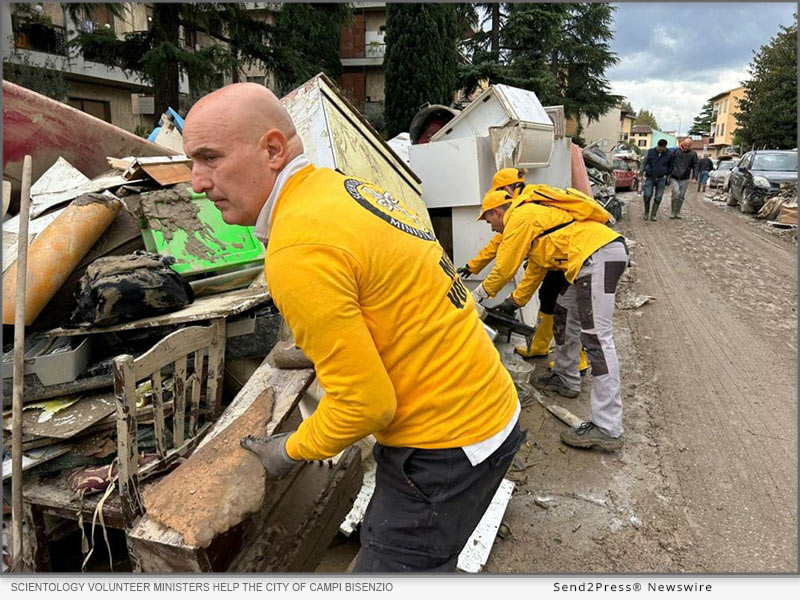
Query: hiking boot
(552, 383)
(587, 435)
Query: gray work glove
(271, 450)
(464, 272)
(508, 307)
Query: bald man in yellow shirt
(377, 306)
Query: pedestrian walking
(684, 168)
(655, 168)
(705, 165)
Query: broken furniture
(190, 394)
(299, 516)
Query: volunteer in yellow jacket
(512, 181)
(593, 257)
(375, 303)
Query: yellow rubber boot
(583, 366)
(541, 339)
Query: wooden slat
(216, 370)
(127, 446)
(158, 414)
(194, 401)
(179, 400)
(178, 343)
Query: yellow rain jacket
(486, 255)
(551, 239)
(376, 304)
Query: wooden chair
(196, 393)
(193, 400)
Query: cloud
(674, 56)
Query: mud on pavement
(704, 483)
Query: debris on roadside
(631, 301)
(781, 209)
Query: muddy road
(707, 480)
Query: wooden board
(169, 174)
(202, 309)
(71, 421)
(218, 486)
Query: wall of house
(672, 141)
(375, 85)
(119, 99)
(134, 18)
(352, 45)
(607, 128)
(54, 11)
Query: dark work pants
(426, 504)
(551, 286)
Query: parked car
(717, 177)
(624, 176)
(758, 175)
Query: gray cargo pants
(585, 313)
(678, 188)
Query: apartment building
(723, 121)
(362, 51)
(38, 38)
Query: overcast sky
(675, 56)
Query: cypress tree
(420, 63)
(308, 37)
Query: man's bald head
(246, 111)
(239, 138)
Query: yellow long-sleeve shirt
(565, 248)
(375, 303)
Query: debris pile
(781, 209)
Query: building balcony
(375, 50)
(28, 35)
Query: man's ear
(274, 142)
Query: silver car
(716, 178)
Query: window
(97, 108)
(775, 162)
(642, 143)
(723, 129)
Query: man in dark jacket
(704, 167)
(684, 168)
(656, 167)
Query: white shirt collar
(264, 221)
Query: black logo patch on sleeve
(382, 204)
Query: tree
(420, 61)
(559, 51)
(625, 106)
(645, 117)
(767, 113)
(308, 37)
(702, 122)
(303, 41)
(483, 48)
